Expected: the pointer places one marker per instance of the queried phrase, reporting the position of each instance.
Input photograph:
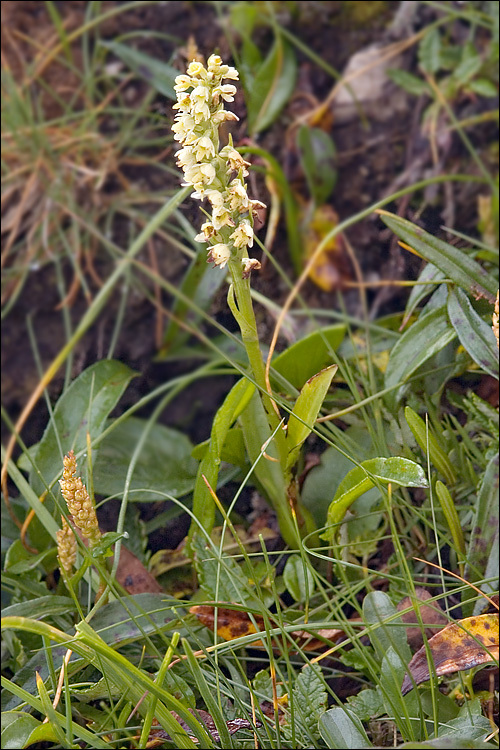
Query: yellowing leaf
(330, 266)
(230, 623)
(467, 643)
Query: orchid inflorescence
(217, 175)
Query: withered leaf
(233, 623)
(467, 643)
(330, 267)
(158, 735)
(431, 615)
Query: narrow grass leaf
(452, 519)
(429, 443)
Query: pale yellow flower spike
(79, 503)
(66, 546)
(215, 174)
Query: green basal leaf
(429, 51)
(164, 465)
(298, 579)
(397, 470)
(475, 335)
(203, 503)
(82, 408)
(306, 410)
(453, 262)
(300, 361)
(272, 87)
(425, 338)
(341, 728)
(317, 156)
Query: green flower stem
(240, 303)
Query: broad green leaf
(425, 338)
(378, 610)
(298, 578)
(483, 87)
(467, 69)
(392, 672)
(157, 73)
(453, 262)
(300, 361)
(203, 503)
(233, 450)
(396, 470)
(43, 606)
(366, 704)
(427, 440)
(220, 576)
(341, 728)
(164, 464)
(272, 86)
(18, 730)
(475, 335)
(269, 473)
(410, 83)
(429, 51)
(306, 410)
(482, 554)
(317, 157)
(82, 408)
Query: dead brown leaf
(468, 643)
(431, 614)
(234, 623)
(158, 736)
(133, 576)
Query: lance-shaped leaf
(453, 262)
(160, 75)
(306, 410)
(428, 336)
(203, 504)
(271, 87)
(397, 470)
(475, 335)
(467, 643)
